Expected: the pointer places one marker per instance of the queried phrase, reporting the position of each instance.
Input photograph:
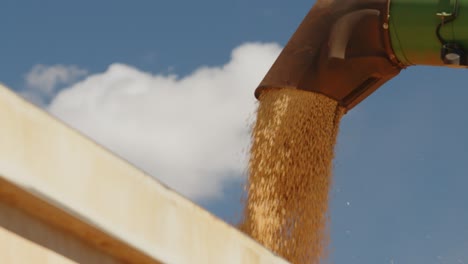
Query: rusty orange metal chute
(346, 49)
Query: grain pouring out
(341, 53)
(290, 173)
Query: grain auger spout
(346, 49)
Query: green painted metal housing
(413, 25)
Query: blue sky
(401, 170)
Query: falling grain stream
(290, 173)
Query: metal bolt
(452, 58)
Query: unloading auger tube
(346, 49)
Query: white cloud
(42, 80)
(191, 133)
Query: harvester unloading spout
(346, 49)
